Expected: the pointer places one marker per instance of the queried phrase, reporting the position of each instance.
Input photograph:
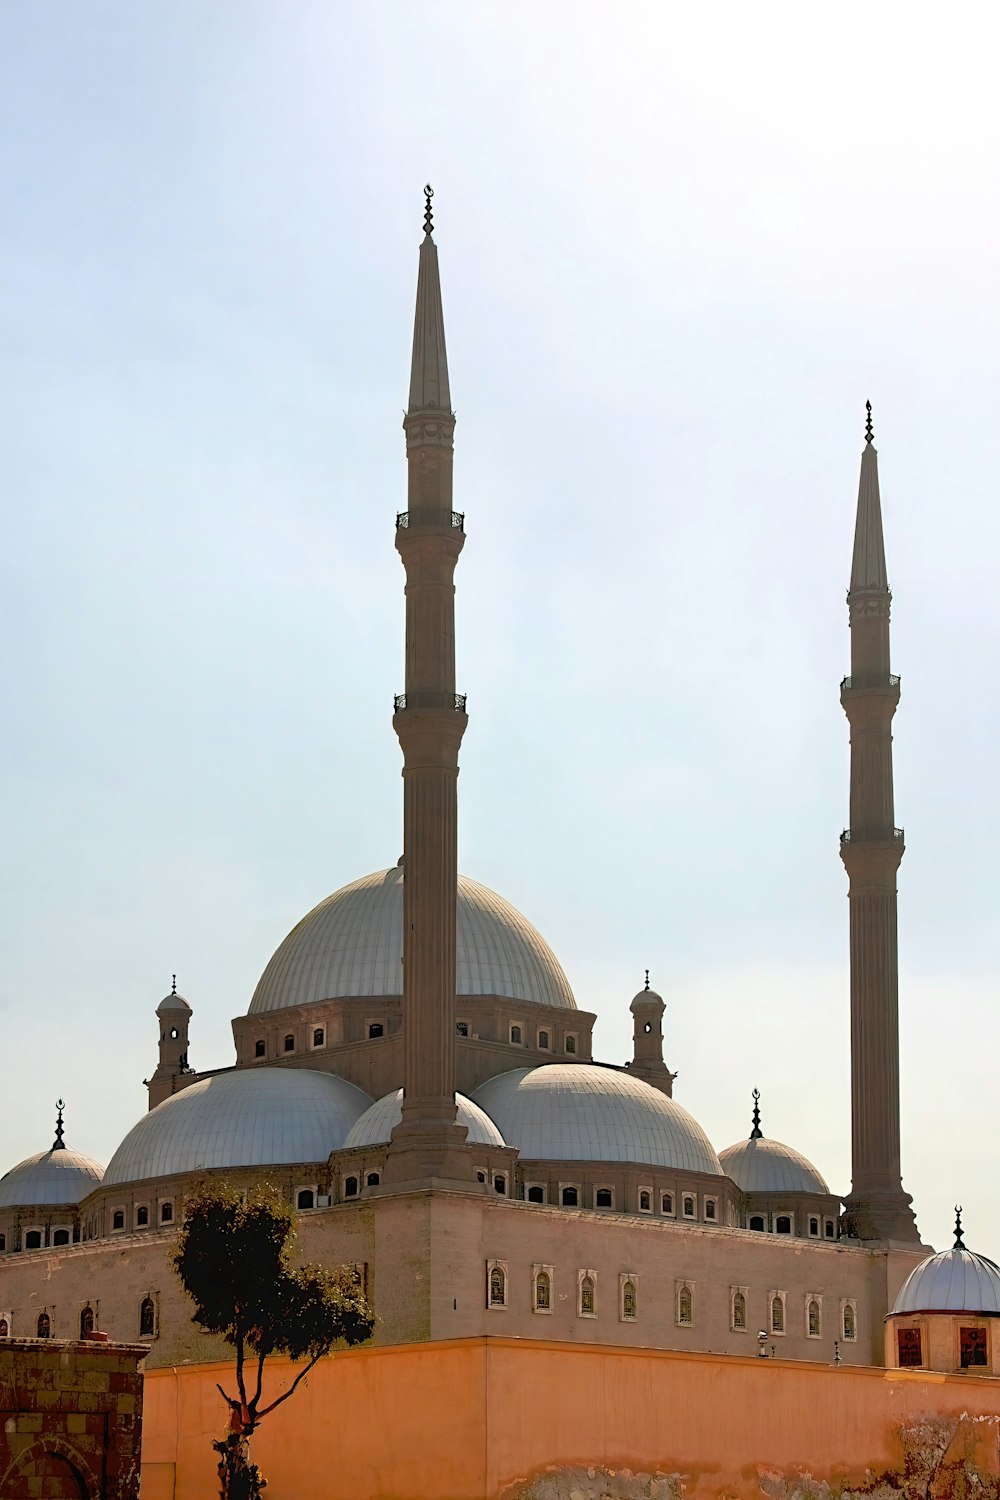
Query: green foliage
(233, 1259)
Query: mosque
(415, 1073)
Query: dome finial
(869, 432)
(59, 1144)
(959, 1242)
(646, 985)
(428, 216)
(756, 1133)
(173, 984)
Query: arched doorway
(44, 1470)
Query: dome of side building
(59, 1176)
(351, 944)
(585, 1112)
(377, 1123)
(765, 1166)
(956, 1280)
(256, 1118)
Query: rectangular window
(462, 1028)
(908, 1346)
(972, 1344)
(319, 1036)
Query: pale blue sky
(680, 246)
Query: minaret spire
(430, 721)
(59, 1143)
(871, 849)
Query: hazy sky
(680, 246)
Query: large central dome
(352, 944)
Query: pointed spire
(429, 388)
(868, 567)
(756, 1133)
(959, 1242)
(59, 1144)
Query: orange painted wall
(476, 1419)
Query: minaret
(429, 720)
(174, 1016)
(647, 1040)
(871, 849)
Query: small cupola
(945, 1316)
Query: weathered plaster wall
(503, 1419)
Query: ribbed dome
(763, 1166)
(583, 1112)
(61, 1176)
(253, 1117)
(952, 1281)
(376, 1124)
(352, 944)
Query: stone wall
(70, 1420)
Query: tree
(233, 1259)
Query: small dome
(763, 1166)
(352, 944)
(173, 1001)
(646, 996)
(252, 1117)
(376, 1124)
(59, 1176)
(585, 1112)
(956, 1280)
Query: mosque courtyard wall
(506, 1419)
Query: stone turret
(172, 1071)
(871, 848)
(647, 1040)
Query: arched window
(147, 1318)
(500, 1184)
(570, 1197)
(588, 1297)
(118, 1219)
(710, 1209)
(373, 1179)
(645, 1202)
(603, 1198)
(515, 1034)
(850, 1323)
(166, 1213)
(543, 1041)
(319, 1036)
(813, 1319)
(630, 1301)
(259, 1047)
(571, 1044)
(462, 1028)
(4, 1329)
(739, 1310)
(3, 1243)
(543, 1291)
(814, 1226)
(757, 1222)
(666, 1203)
(86, 1322)
(830, 1230)
(685, 1305)
(33, 1239)
(44, 1326)
(783, 1224)
(498, 1286)
(289, 1043)
(777, 1314)
(376, 1029)
(141, 1217)
(306, 1199)
(536, 1194)
(688, 1207)
(61, 1237)
(350, 1187)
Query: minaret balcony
(873, 836)
(869, 680)
(429, 698)
(414, 520)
